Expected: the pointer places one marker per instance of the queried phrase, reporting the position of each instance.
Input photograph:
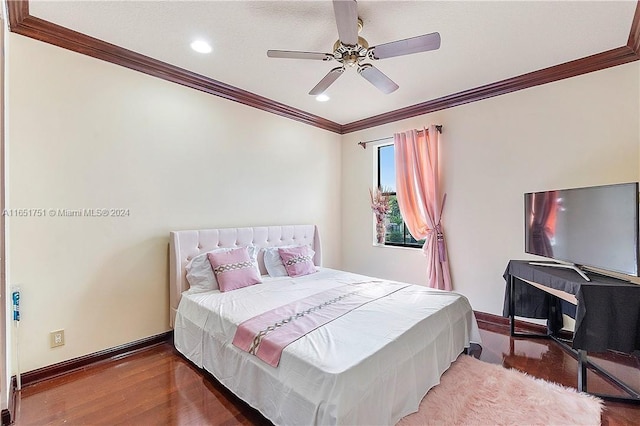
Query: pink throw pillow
(297, 260)
(234, 269)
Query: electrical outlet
(57, 338)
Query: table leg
(512, 305)
(582, 370)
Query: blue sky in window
(387, 168)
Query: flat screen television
(593, 227)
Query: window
(397, 232)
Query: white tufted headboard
(185, 245)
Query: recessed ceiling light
(322, 97)
(201, 46)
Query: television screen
(595, 226)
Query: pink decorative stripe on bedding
(266, 335)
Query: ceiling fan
(351, 50)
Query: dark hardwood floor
(158, 387)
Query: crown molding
(20, 22)
(634, 34)
(599, 61)
(589, 64)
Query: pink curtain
(419, 198)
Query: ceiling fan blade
(299, 55)
(376, 77)
(327, 81)
(407, 46)
(346, 12)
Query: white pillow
(272, 262)
(200, 273)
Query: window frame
(406, 235)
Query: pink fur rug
(473, 392)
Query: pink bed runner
(267, 334)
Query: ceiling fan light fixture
(201, 46)
(322, 97)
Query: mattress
(371, 366)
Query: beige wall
(575, 132)
(88, 134)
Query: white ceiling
(482, 42)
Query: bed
(371, 365)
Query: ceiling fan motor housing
(350, 55)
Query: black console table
(607, 314)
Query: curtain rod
(363, 144)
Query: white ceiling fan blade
(376, 77)
(327, 81)
(299, 55)
(346, 12)
(407, 46)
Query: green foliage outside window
(395, 224)
(397, 233)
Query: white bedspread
(371, 366)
